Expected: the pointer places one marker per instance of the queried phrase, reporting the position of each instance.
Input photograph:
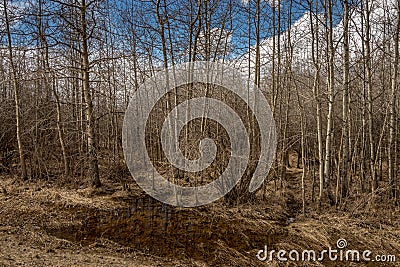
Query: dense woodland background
(68, 69)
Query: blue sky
(238, 25)
(298, 8)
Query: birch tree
(14, 77)
(346, 74)
(331, 96)
(393, 113)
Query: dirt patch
(41, 225)
(153, 228)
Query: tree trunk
(331, 95)
(51, 80)
(393, 117)
(24, 173)
(91, 141)
(316, 92)
(345, 126)
(368, 72)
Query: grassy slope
(43, 225)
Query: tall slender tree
(346, 83)
(331, 96)
(393, 113)
(86, 91)
(14, 77)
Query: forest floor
(45, 224)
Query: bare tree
(90, 132)
(393, 113)
(368, 81)
(24, 173)
(316, 90)
(50, 81)
(331, 96)
(346, 83)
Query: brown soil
(49, 225)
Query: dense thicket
(328, 68)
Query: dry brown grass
(53, 222)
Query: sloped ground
(43, 225)
(29, 212)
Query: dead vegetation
(44, 225)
